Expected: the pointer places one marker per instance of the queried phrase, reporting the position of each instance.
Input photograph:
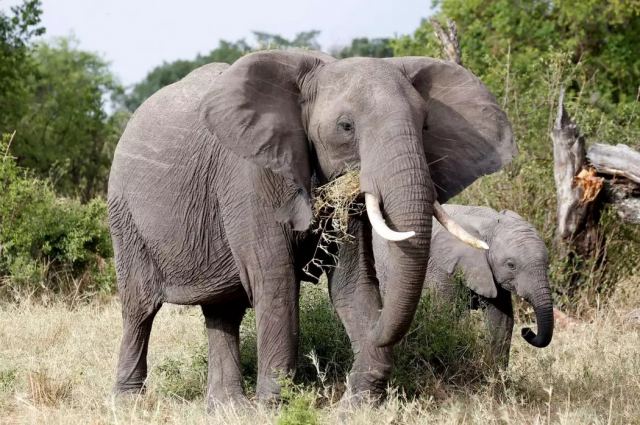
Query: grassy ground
(57, 366)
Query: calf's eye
(345, 126)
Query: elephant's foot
(234, 400)
(364, 388)
(130, 388)
(367, 381)
(268, 390)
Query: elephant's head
(519, 261)
(300, 114)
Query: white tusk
(377, 221)
(455, 229)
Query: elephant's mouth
(508, 285)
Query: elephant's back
(162, 130)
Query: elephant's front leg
(356, 297)
(276, 306)
(499, 317)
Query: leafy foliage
(65, 132)
(303, 40)
(48, 243)
(299, 406)
(365, 47)
(16, 31)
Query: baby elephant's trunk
(540, 299)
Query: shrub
(299, 408)
(48, 243)
(184, 379)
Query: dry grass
(334, 202)
(57, 366)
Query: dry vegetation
(57, 366)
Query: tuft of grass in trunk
(333, 204)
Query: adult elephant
(209, 193)
(517, 261)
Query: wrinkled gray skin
(517, 261)
(209, 198)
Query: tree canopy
(16, 31)
(374, 48)
(66, 132)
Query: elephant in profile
(209, 198)
(516, 261)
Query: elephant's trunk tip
(536, 340)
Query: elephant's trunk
(405, 191)
(540, 299)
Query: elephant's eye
(346, 126)
(511, 265)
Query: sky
(137, 35)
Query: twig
(9, 145)
(506, 83)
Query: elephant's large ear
(455, 255)
(254, 109)
(466, 135)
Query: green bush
(185, 378)
(299, 406)
(50, 244)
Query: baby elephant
(516, 261)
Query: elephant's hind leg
(132, 362)
(138, 288)
(224, 380)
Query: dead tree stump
(588, 180)
(448, 39)
(577, 188)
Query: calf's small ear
(477, 274)
(452, 255)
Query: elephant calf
(516, 261)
